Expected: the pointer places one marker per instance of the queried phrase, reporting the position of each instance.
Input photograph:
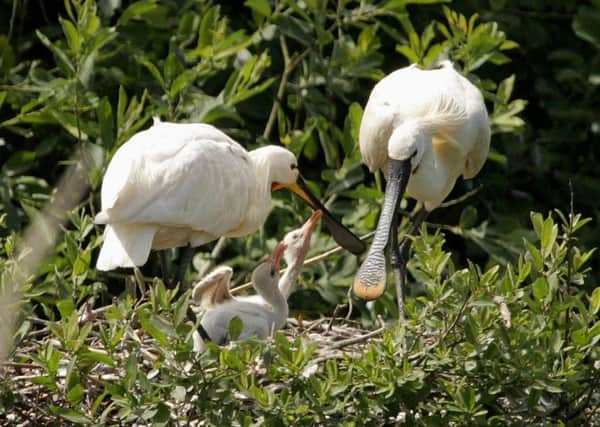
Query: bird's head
(298, 240)
(266, 275)
(407, 142)
(282, 167)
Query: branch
(358, 339)
(289, 65)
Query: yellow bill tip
(368, 292)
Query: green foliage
(502, 317)
(517, 344)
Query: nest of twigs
(336, 338)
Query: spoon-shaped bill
(369, 282)
(344, 237)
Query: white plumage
(440, 115)
(178, 184)
(213, 290)
(259, 319)
(423, 129)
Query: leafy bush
(507, 345)
(502, 318)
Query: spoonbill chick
(178, 185)
(258, 319)
(423, 129)
(214, 288)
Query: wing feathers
(213, 289)
(125, 245)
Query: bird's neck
(278, 303)
(287, 282)
(260, 199)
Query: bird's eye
(272, 272)
(293, 166)
(296, 236)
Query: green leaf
(106, 122)
(408, 52)
(235, 328)
(581, 337)
(66, 307)
(595, 301)
(540, 288)
(70, 415)
(505, 89)
(59, 53)
(75, 394)
(178, 393)
(294, 28)
(586, 25)
(205, 32)
(261, 7)
(468, 217)
(153, 70)
(537, 220)
(549, 234)
(71, 34)
(172, 68)
(136, 11)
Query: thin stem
(289, 64)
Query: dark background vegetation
(90, 74)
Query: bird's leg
(398, 263)
(164, 268)
(399, 256)
(186, 257)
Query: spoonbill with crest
(423, 129)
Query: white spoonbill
(423, 129)
(258, 319)
(188, 184)
(214, 288)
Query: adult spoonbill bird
(213, 289)
(188, 184)
(422, 128)
(259, 320)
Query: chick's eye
(272, 272)
(293, 166)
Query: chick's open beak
(275, 257)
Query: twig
(462, 198)
(125, 276)
(358, 339)
(289, 65)
(34, 319)
(336, 310)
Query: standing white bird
(259, 320)
(188, 184)
(423, 129)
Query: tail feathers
(101, 218)
(125, 245)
